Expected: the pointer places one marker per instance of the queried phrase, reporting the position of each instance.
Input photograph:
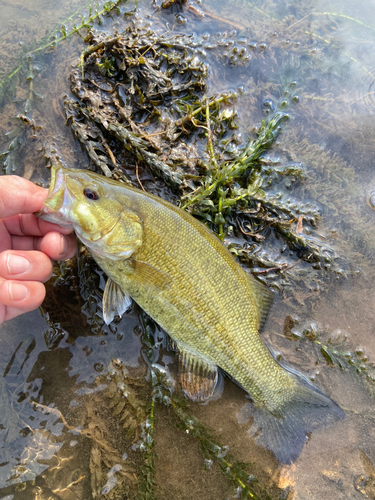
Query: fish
(184, 277)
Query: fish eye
(91, 194)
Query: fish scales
(198, 308)
(187, 281)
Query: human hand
(27, 245)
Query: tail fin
(285, 434)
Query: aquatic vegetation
(148, 111)
(70, 26)
(31, 65)
(156, 75)
(22, 418)
(337, 350)
(237, 472)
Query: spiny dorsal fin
(115, 301)
(198, 378)
(263, 299)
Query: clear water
(327, 49)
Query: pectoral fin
(115, 301)
(199, 379)
(147, 275)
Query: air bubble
(371, 200)
(181, 19)
(98, 367)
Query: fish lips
(56, 206)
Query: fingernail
(17, 264)
(63, 244)
(17, 291)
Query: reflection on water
(26, 429)
(63, 433)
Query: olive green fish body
(190, 284)
(209, 306)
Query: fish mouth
(56, 205)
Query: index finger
(29, 225)
(19, 196)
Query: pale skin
(27, 245)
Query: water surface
(54, 418)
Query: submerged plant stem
(212, 451)
(109, 6)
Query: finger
(18, 195)
(13, 312)
(22, 296)
(7, 313)
(25, 266)
(3, 310)
(58, 246)
(5, 238)
(55, 245)
(29, 225)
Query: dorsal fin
(263, 299)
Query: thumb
(19, 196)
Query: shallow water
(54, 415)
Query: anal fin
(199, 379)
(115, 301)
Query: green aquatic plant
(72, 25)
(213, 452)
(12, 147)
(31, 64)
(123, 391)
(337, 351)
(155, 74)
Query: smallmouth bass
(189, 283)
